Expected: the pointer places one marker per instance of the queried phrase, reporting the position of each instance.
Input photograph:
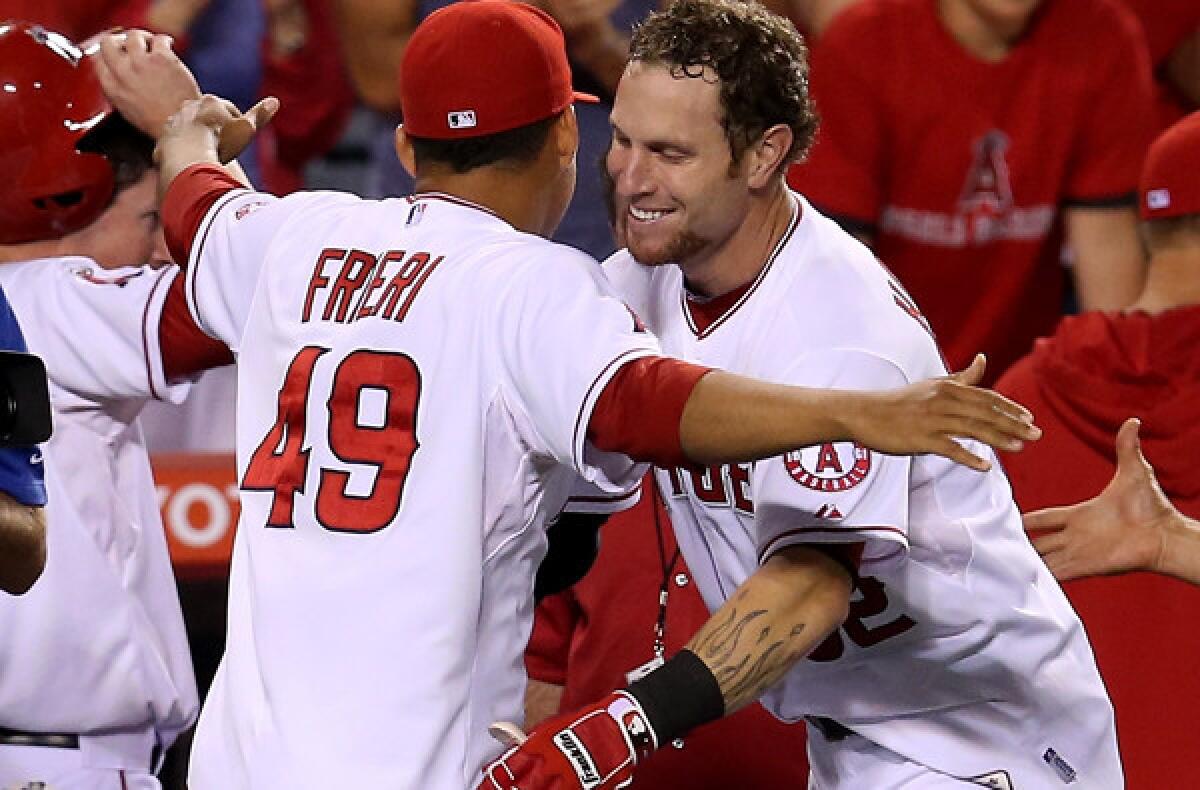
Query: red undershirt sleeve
(638, 413)
(186, 349)
(188, 199)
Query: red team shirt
(960, 167)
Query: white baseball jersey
(960, 651)
(415, 384)
(97, 647)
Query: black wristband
(679, 696)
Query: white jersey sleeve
(228, 253)
(837, 492)
(96, 328)
(571, 336)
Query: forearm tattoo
(747, 652)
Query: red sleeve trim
(784, 539)
(185, 348)
(638, 413)
(188, 199)
(146, 334)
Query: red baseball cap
(1170, 184)
(479, 67)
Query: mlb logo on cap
(461, 119)
(1169, 185)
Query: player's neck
(1172, 280)
(11, 253)
(739, 259)
(982, 38)
(514, 195)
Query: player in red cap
(422, 383)
(1083, 382)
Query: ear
(766, 158)
(565, 134)
(405, 152)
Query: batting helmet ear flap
(50, 99)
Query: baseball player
(893, 602)
(22, 489)
(95, 671)
(422, 382)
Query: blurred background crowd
(989, 151)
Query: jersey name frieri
(366, 284)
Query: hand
(216, 123)
(922, 418)
(1123, 529)
(142, 76)
(594, 748)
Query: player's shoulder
(70, 271)
(625, 273)
(838, 295)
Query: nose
(160, 255)
(631, 172)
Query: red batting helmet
(50, 98)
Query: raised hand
(142, 76)
(1125, 528)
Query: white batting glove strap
(635, 725)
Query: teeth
(646, 216)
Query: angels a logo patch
(829, 467)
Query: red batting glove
(593, 748)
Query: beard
(679, 247)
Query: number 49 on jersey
(280, 464)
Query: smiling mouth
(647, 215)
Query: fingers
(1129, 448)
(951, 449)
(1050, 542)
(984, 399)
(972, 374)
(507, 733)
(239, 130)
(1048, 518)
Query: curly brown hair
(758, 57)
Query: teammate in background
(963, 140)
(1084, 381)
(97, 678)
(22, 491)
(892, 602)
(389, 349)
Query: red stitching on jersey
(146, 333)
(198, 249)
(700, 335)
(606, 499)
(456, 201)
(773, 545)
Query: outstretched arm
(1130, 526)
(717, 417)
